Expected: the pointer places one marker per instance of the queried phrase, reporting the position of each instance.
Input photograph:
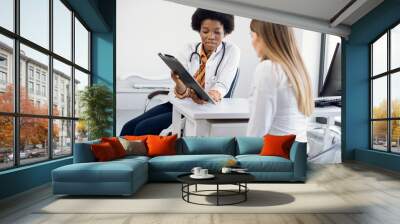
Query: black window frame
(388, 74)
(16, 115)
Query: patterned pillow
(134, 147)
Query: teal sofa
(125, 176)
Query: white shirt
(226, 71)
(273, 104)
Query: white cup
(196, 171)
(203, 172)
(226, 170)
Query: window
(30, 72)
(30, 87)
(330, 46)
(44, 91)
(45, 131)
(62, 140)
(62, 29)
(7, 14)
(37, 75)
(6, 142)
(43, 77)
(3, 78)
(81, 81)
(33, 149)
(385, 94)
(81, 45)
(38, 89)
(3, 61)
(62, 74)
(35, 21)
(6, 73)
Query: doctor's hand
(195, 98)
(215, 95)
(177, 80)
(180, 86)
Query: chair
(165, 92)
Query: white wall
(146, 27)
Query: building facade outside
(34, 99)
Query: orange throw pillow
(135, 137)
(277, 145)
(161, 145)
(116, 145)
(103, 152)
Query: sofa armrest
(298, 155)
(83, 152)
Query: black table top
(220, 178)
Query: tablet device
(185, 76)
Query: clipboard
(185, 76)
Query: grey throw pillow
(137, 147)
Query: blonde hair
(282, 49)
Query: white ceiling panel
(321, 9)
(315, 15)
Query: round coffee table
(238, 179)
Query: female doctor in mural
(213, 63)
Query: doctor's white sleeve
(183, 58)
(263, 101)
(226, 72)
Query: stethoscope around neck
(198, 56)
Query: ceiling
(321, 9)
(326, 16)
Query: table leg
(176, 121)
(217, 194)
(195, 188)
(188, 190)
(245, 193)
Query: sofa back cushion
(206, 145)
(249, 145)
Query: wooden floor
(377, 188)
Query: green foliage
(96, 102)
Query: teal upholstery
(184, 164)
(298, 155)
(273, 176)
(206, 145)
(249, 145)
(257, 163)
(83, 152)
(119, 177)
(125, 176)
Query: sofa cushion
(111, 171)
(133, 158)
(185, 163)
(249, 145)
(116, 145)
(257, 163)
(275, 145)
(161, 145)
(103, 152)
(206, 145)
(135, 147)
